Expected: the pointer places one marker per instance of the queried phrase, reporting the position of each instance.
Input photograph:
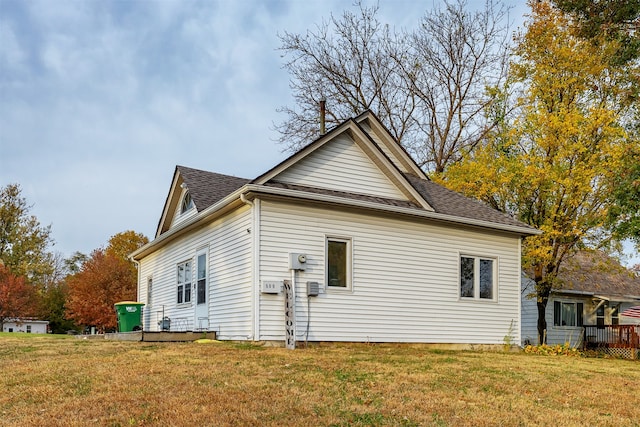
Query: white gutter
(243, 191)
(389, 208)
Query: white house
(592, 292)
(346, 240)
(27, 325)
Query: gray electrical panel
(297, 261)
(313, 289)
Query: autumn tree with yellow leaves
(553, 160)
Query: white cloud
(12, 55)
(101, 99)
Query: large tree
(24, 242)
(18, 299)
(427, 85)
(608, 20)
(553, 163)
(106, 277)
(53, 294)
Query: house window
(184, 282)
(477, 277)
(338, 263)
(615, 320)
(201, 293)
(28, 329)
(600, 317)
(187, 203)
(149, 292)
(567, 313)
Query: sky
(100, 100)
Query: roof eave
(209, 213)
(259, 189)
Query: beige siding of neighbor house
(229, 289)
(405, 278)
(341, 166)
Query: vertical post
(289, 315)
(323, 113)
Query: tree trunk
(542, 320)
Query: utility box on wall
(271, 287)
(313, 289)
(297, 261)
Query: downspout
(520, 292)
(137, 263)
(255, 265)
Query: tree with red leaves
(105, 278)
(17, 298)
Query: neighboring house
(346, 240)
(585, 308)
(27, 325)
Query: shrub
(553, 350)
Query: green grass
(65, 381)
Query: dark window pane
(486, 278)
(337, 264)
(466, 277)
(202, 291)
(557, 313)
(187, 203)
(202, 266)
(568, 314)
(579, 313)
(180, 300)
(187, 292)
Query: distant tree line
(71, 293)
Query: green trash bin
(129, 315)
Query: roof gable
(205, 188)
(348, 159)
(383, 138)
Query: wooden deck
(611, 336)
(163, 336)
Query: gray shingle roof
(207, 188)
(346, 195)
(598, 273)
(448, 202)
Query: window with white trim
(477, 277)
(187, 203)
(184, 282)
(338, 263)
(201, 284)
(567, 313)
(149, 292)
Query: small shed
(30, 326)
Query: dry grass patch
(53, 381)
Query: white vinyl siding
(383, 147)
(341, 166)
(229, 290)
(405, 277)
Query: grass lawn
(65, 381)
